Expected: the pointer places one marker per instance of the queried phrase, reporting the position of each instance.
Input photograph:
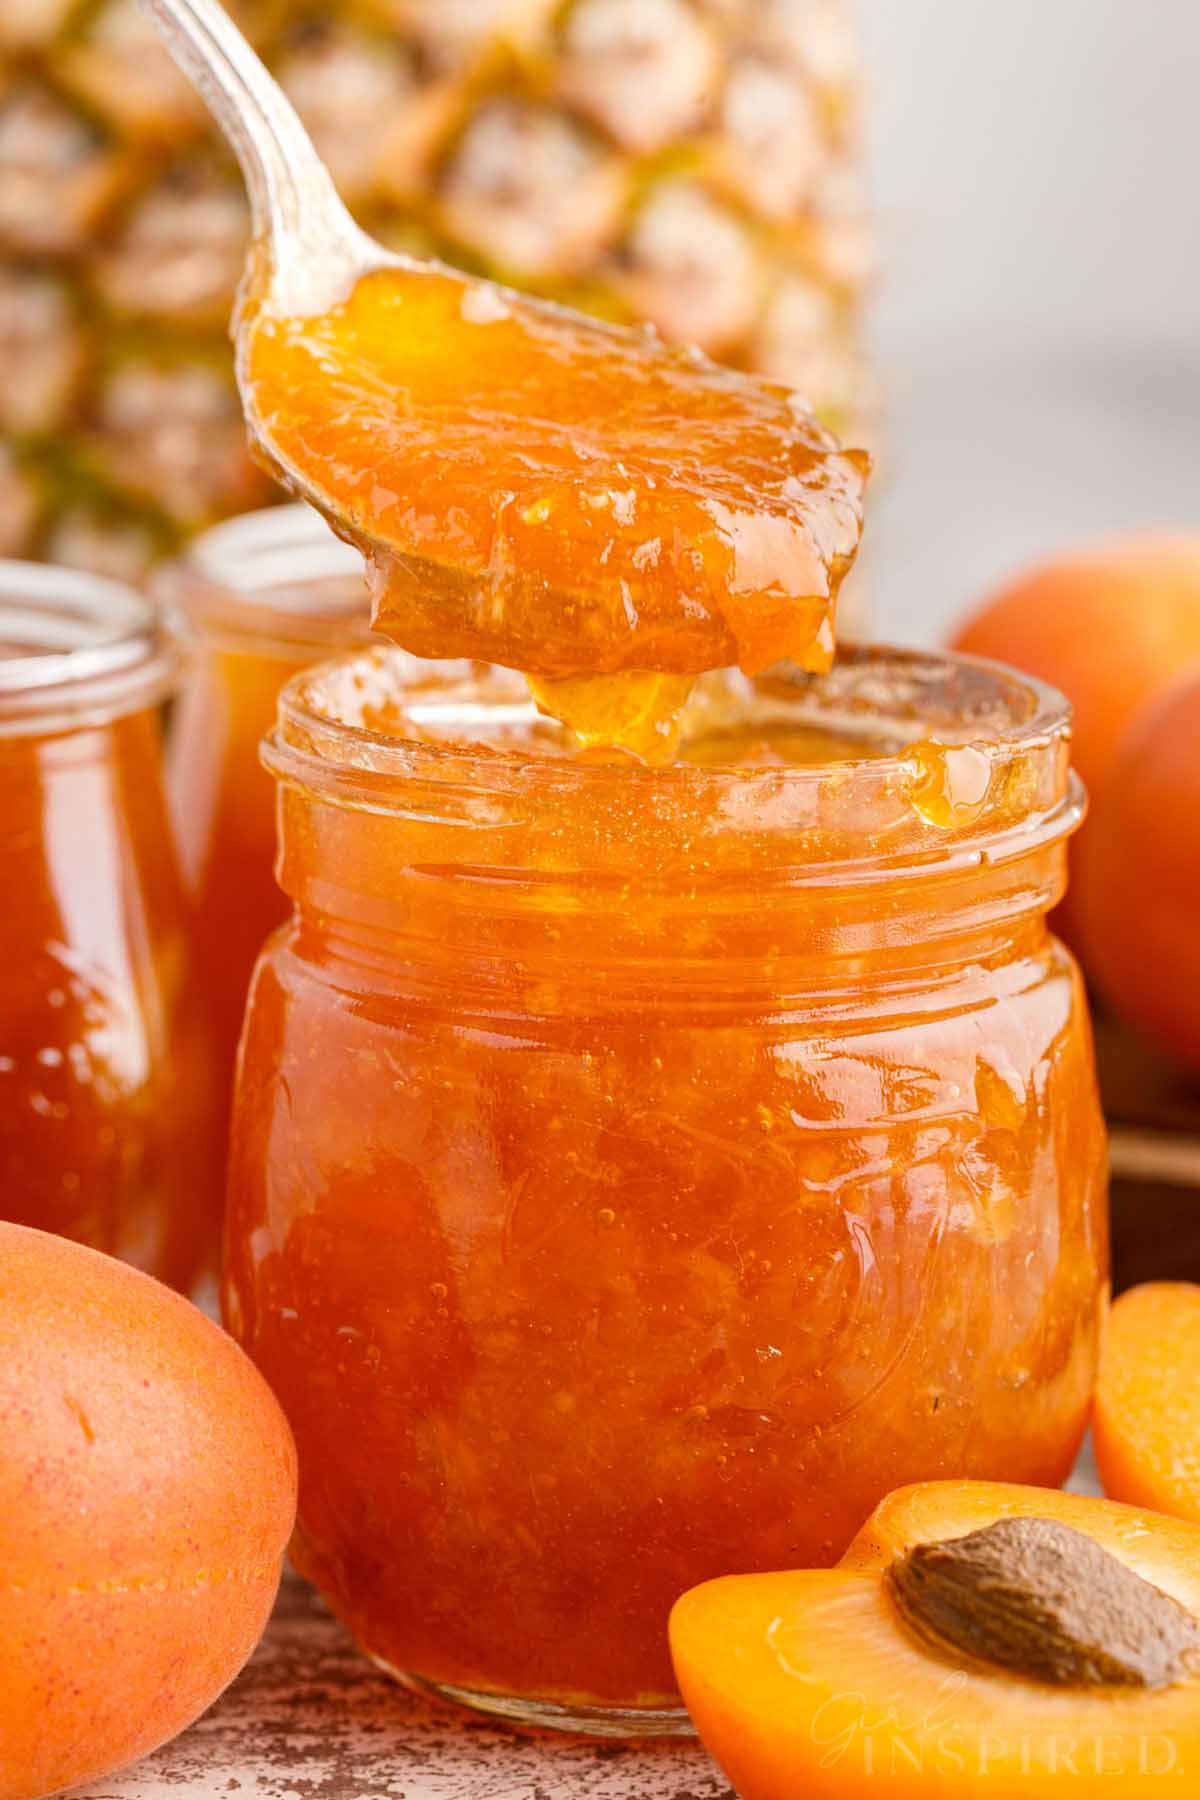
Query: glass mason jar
(638, 1172)
(261, 597)
(103, 1068)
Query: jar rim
(997, 740)
(77, 647)
(278, 577)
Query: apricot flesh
(147, 1492)
(1137, 875)
(1146, 1419)
(809, 1684)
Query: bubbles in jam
(638, 1172)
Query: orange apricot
(1109, 626)
(147, 1493)
(978, 1639)
(1146, 1417)
(1136, 892)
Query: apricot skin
(1110, 627)
(147, 1493)
(1137, 875)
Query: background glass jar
(262, 597)
(637, 1173)
(103, 1065)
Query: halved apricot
(819, 1685)
(1147, 1407)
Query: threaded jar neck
(76, 650)
(271, 581)
(911, 799)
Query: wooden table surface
(310, 1719)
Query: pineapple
(688, 162)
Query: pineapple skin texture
(692, 163)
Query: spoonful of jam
(529, 487)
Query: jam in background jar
(639, 1172)
(261, 598)
(105, 1078)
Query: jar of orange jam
(637, 1172)
(261, 597)
(103, 1065)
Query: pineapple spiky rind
(688, 162)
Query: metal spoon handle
(315, 247)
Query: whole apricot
(147, 1493)
(1110, 626)
(1137, 875)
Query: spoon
(315, 249)
(530, 487)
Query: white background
(1036, 171)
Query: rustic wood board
(310, 1719)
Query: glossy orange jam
(104, 1073)
(637, 1172)
(260, 598)
(553, 494)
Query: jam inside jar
(261, 597)
(638, 1172)
(104, 1071)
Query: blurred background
(1032, 164)
(997, 198)
(964, 230)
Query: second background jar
(259, 598)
